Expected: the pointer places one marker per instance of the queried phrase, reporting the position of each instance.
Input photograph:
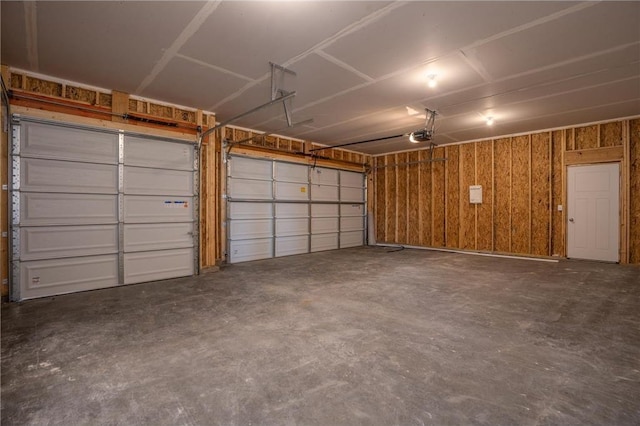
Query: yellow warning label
(303, 189)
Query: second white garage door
(277, 209)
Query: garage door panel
(291, 210)
(352, 210)
(67, 176)
(64, 143)
(249, 189)
(247, 229)
(246, 168)
(246, 250)
(322, 176)
(47, 242)
(158, 265)
(250, 210)
(325, 210)
(351, 239)
(287, 246)
(291, 191)
(355, 195)
(146, 181)
(322, 225)
(157, 236)
(351, 179)
(67, 209)
(154, 209)
(324, 242)
(286, 227)
(158, 154)
(286, 172)
(324, 193)
(351, 223)
(46, 277)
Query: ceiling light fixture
(489, 121)
(432, 82)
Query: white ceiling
(530, 65)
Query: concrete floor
(357, 336)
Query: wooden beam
(119, 105)
(594, 155)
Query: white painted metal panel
(349, 223)
(154, 209)
(351, 239)
(157, 236)
(351, 210)
(247, 189)
(324, 242)
(46, 242)
(323, 225)
(65, 143)
(287, 246)
(322, 176)
(324, 193)
(158, 265)
(287, 227)
(146, 181)
(284, 210)
(39, 175)
(250, 210)
(41, 278)
(248, 229)
(246, 250)
(325, 210)
(67, 209)
(351, 194)
(286, 172)
(351, 179)
(292, 191)
(147, 152)
(249, 168)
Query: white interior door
(593, 195)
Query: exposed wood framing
(524, 182)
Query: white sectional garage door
(277, 209)
(93, 208)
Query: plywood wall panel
(467, 210)
(520, 193)
(438, 191)
(424, 210)
(540, 191)
(586, 137)
(452, 236)
(391, 199)
(484, 171)
(634, 191)
(611, 134)
(557, 233)
(413, 191)
(502, 194)
(380, 200)
(401, 199)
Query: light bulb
(489, 121)
(412, 139)
(432, 80)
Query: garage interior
(223, 212)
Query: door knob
(571, 219)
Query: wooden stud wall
(634, 191)
(523, 182)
